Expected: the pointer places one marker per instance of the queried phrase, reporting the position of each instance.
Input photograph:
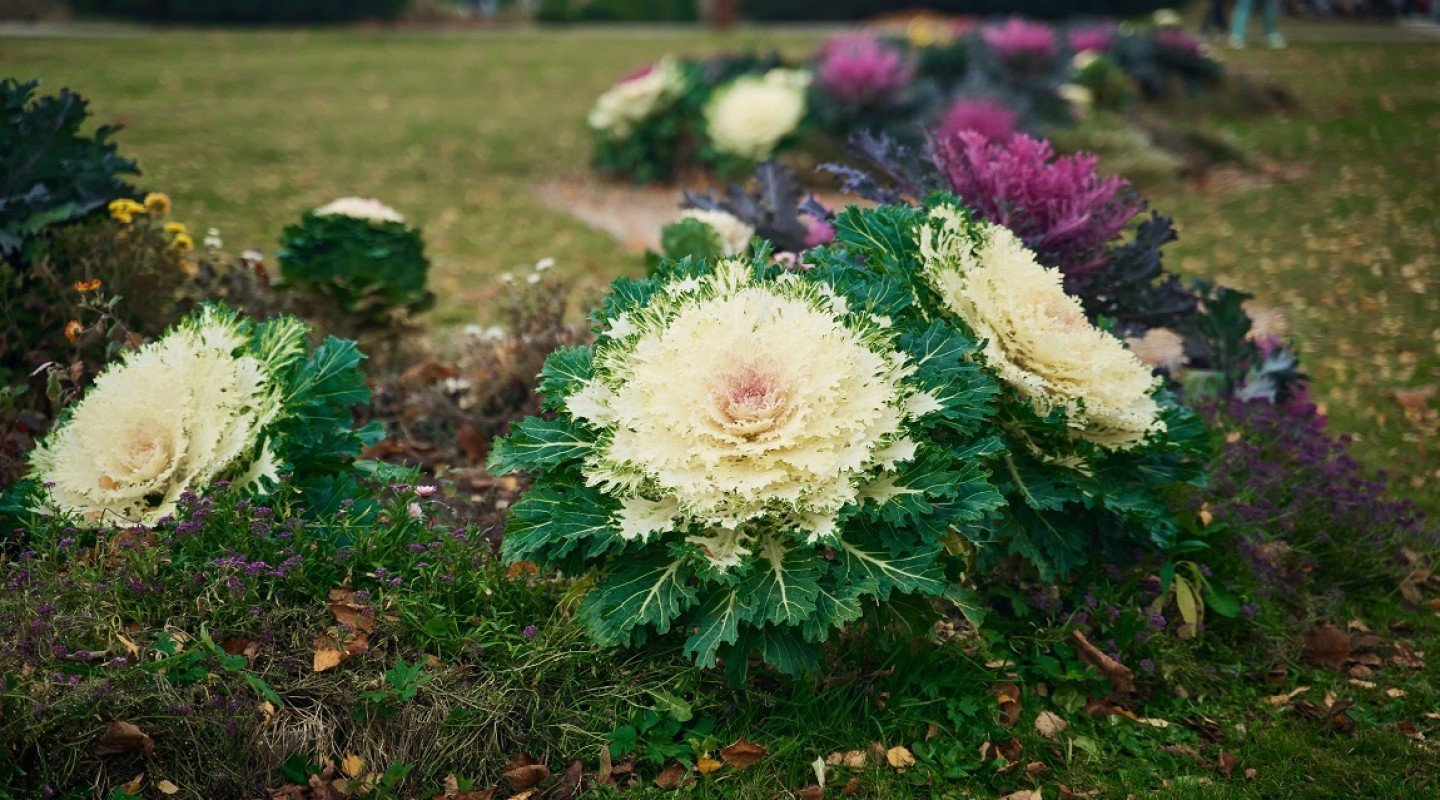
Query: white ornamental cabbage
(623, 106)
(735, 234)
(1037, 337)
(751, 115)
(170, 417)
(363, 208)
(732, 400)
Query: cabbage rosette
(751, 458)
(216, 398)
(1093, 443)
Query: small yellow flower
(182, 243)
(87, 286)
(176, 229)
(73, 329)
(125, 209)
(157, 203)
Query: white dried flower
(624, 105)
(735, 234)
(1159, 348)
(1036, 336)
(740, 401)
(366, 208)
(753, 113)
(170, 417)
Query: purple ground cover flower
(990, 118)
(858, 69)
(1303, 509)
(1062, 208)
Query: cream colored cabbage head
(749, 116)
(730, 401)
(1037, 337)
(366, 208)
(735, 234)
(171, 417)
(624, 105)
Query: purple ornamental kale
(990, 118)
(1018, 39)
(1062, 208)
(860, 70)
(1091, 38)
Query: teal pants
(1240, 17)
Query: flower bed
(730, 112)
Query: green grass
(248, 129)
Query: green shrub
(560, 11)
(361, 275)
(49, 172)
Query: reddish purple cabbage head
(859, 69)
(990, 118)
(1179, 42)
(1062, 208)
(1094, 38)
(1018, 39)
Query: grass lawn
(246, 130)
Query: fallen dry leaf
(811, 792)
(326, 658)
(352, 766)
(522, 772)
(1227, 763)
(1282, 699)
(900, 757)
(132, 786)
(1049, 724)
(742, 754)
(1024, 794)
(122, 737)
(569, 784)
(852, 786)
(1326, 645)
(1118, 674)
(1394, 693)
(1008, 696)
(670, 777)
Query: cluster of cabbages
(752, 456)
(996, 78)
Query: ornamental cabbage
(750, 458)
(217, 397)
(753, 114)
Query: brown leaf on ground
(166, 787)
(1008, 751)
(322, 789)
(1025, 794)
(472, 444)
(428, 372)
(1118, 674)
(133, 785)
(900, 757)
(522, 772)
(670, 777)
(743, 754)
(569, 785)
(1050, 725)
(1326, 645)
(349, 612)
(811, 792)
(122, 737)
(1008, 696)
(852, 786)
(1284, 699)
(1227, 763)
(1184, 750)
(240, 646)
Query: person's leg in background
(1215, 18)
(1270, 22)
(1240, 21)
